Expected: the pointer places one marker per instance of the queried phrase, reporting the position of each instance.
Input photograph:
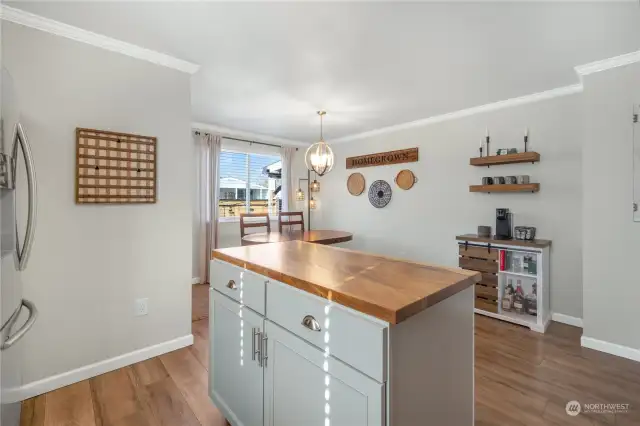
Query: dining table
(320, 236)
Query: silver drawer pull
(311, 323)
(254, 351)
(263, 350)
(232, 285)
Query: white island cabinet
(363, 341)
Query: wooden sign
(383, 158)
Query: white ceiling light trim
(536, 97)
(225, 131)
(607, 64)
(41, 23)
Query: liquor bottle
(507, 298)
(532, 301)
(518, 299)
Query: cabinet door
(305, 387)
(236, 380)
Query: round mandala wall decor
(379, 194)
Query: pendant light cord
(321, 114)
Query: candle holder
(526, 140)
(481, 152)
(488, 141)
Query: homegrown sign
(383, 158)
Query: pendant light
(299, 192)
(315, 186)
(319, 156)
(312, 204)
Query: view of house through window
(249, 183)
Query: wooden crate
(486, 305)
(485, 260)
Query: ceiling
(267, 67)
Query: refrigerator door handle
(33, 315)
(25, 250)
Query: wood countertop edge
(365, 307)
(512, 242)
(435, 298)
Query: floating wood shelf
(526, 187)
(494, 160)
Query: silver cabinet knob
(232, 285)
(311, 323)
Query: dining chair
(253, 223)
(291, 220)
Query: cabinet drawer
(351, 337)
(478, 252)
(480, 265)
(241, 285)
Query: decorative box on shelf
(515, 278)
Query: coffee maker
(503, 224)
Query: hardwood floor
(199, 302)
(522, 378)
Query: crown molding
(607, 64)
(581, 70)
(27, 19)
(234, 133)
(536, 97)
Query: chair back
(254, 223)
(293, 218)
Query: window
(257, 175)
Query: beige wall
(611, 238)
(89, 263)
(422, 223)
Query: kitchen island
(305, 334)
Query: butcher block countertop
(386, 288)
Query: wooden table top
(492, 240)
(386, 288)
(316, 236)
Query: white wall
(89, 263)
(611, 238)
(422, 223)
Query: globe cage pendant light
(319, 156)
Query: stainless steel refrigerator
(17, 180)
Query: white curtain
(288, 184)
(208, 154)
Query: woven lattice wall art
(115, 168)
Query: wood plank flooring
(522, 378)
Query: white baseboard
(566, 319)
(195, 280)
(49, 384)
(611, 348)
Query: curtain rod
(197, 132)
